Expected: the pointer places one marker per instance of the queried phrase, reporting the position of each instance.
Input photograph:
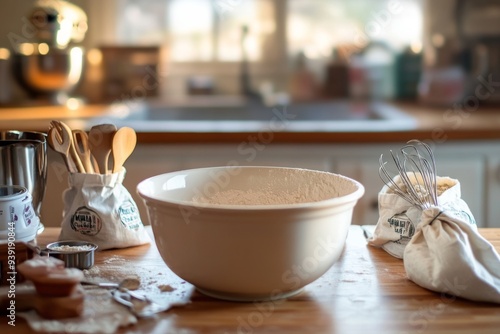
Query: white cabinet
(57, 182)
(469, 170)
(493, 191)
(475, 164)
(364, 170)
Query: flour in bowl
(297, 187)
(249, 197)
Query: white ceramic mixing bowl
(250, 233)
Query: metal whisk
(417, 170)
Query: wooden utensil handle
(76, 158)
(80, 141)
(58, 144)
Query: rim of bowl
(353, 196)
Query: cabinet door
(273, 155)
(365, 171)
(147, 161)
(493, 192)
(277, 161)
(468, 170)
(57, 182)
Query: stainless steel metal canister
(23, 162)
(18, 220)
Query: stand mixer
(50, 66)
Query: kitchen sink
(339, 116)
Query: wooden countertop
(366, 291)
(433, 123)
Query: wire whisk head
(415, 176)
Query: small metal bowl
(81, 259)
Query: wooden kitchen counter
(365, 292)
(433, 123)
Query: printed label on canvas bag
(129, 216)
(86, 221)
(402, 225)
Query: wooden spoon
(100, 144)
(124, 142)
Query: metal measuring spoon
(127, 285)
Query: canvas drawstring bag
(99, 209)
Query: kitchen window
(315, 27)
(211, 30)
(199, 30)
(202, 39)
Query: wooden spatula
(100, 144)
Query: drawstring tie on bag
(433, 219)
